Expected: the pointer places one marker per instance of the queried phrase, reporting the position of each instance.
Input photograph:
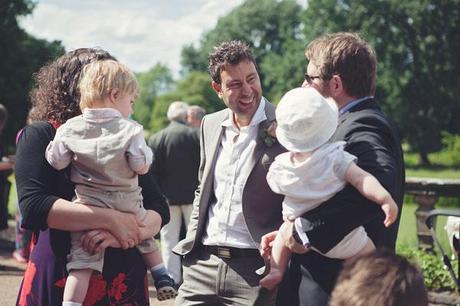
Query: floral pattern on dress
(96, 290)
(26, 291)
(118, 287)
(45, 277)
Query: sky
(139, 33)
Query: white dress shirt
(226, 225)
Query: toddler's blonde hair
(99, 78)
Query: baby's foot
(272, 279)
(166, 287)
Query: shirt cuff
(301, 232)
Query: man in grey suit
(177, 158)
(233, 205)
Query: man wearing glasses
(342, 66)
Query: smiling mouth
(247, 101)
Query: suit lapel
(212, 149)
(263, 126)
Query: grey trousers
(210, 280)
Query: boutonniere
(268, 133)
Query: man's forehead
(311, 66)
(234, 70)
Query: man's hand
(266, 244)
(286, 230)
(96, 241)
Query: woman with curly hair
(45, 194)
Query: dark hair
(349, 56)
(3, 114)
(380, 278)
(228, 53)
(56, 96)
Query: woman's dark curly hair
(56, 96)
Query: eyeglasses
(309, 78)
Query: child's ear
(114, 95)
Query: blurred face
(312, 79)
(124, 103)
(240, 90)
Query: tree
(159, 119)
(21, 55)
(158, 80)
(194, 89)
(271, 28)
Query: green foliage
(451, 152)
(21, 55)
(283, 71)
(160, 109)
(436, 276)
(152, 83)
(195, 89)
(444, 164)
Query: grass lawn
(442, 165)
(425, 172)
(445, 166)
(12, 196)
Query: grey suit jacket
(261, 206)
(176, 151)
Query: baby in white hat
(313, 171)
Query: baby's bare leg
(152, 259)
(278, 262)
(76, 285)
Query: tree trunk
(424, 161)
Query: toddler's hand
(391, 211)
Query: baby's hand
(390, 209)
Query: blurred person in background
(22, 236)
(6, 165)
(176, 151)
(195, 114)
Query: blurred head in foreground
(380, 278)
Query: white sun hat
(306, 120)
